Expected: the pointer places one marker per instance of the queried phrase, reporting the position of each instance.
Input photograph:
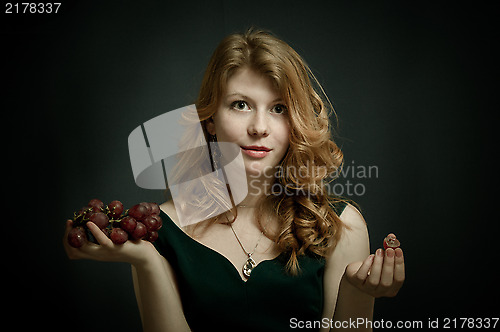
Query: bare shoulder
(351, 217)
(169, 209)
(354, 243)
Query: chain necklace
(250, 263)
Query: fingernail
(389, 253)
(399, 253)
(379, 253)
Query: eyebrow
(250, 99)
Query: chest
(214, 294)
(213, 291)
(238, 244)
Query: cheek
(227, 130)
(228, 134)
(283, 136)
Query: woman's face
(252, 115)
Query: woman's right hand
(136, 253)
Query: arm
(359, 278)
(342, 300)
(354, 304)
(157, 296)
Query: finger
(99, 235)
(399, 267)
(387, 276)
(364, 269)
(374, 278)
(357, 272)
(351, 270)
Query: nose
(258, 125)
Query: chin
(257, 169)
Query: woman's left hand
(381, 274)
(138, 252)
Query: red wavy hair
(307, 221)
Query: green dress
(215, 298)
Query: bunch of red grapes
(141, 222)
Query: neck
(258, 188)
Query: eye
(279, 109)
(240, 105)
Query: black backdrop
(410, 82)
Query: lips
(256, 151)
(256, 148)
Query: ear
(210, 126)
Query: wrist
(346, 287)
(145, 256)
(147, 259)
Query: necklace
(250, 263)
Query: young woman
(288, 255)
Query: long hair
(307, 221)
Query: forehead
(252, 84)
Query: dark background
(411, 83)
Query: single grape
(77, 237)
(391, 242)
(155, 209)
(160, 222)
(115, 209)
(148, 208)
(128, 223)
(138, 212)
(151, 236)
(140, 231)
(100, 219)
(152, 223)
(118, 236)
(96, 204)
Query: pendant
(248, 267)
